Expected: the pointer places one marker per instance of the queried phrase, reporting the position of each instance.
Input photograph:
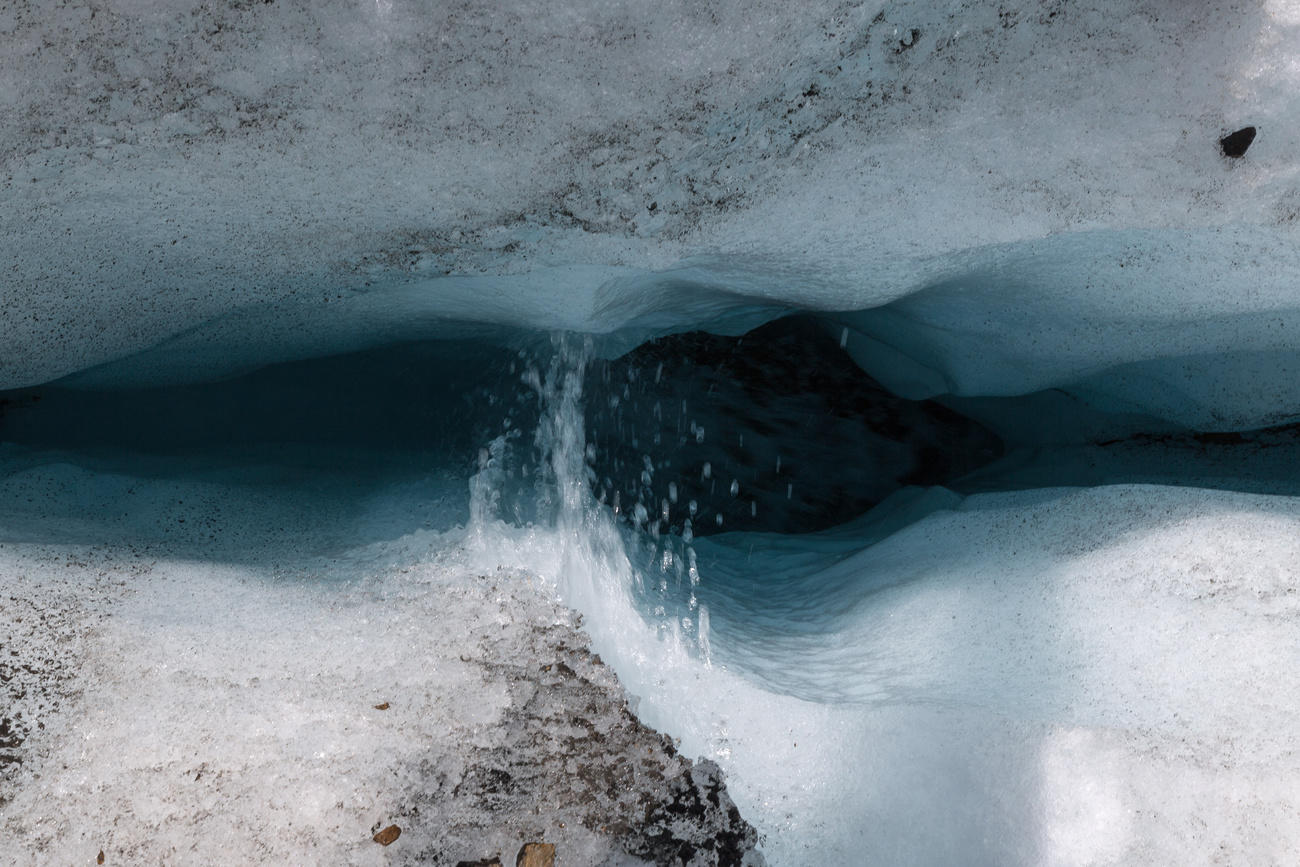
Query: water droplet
(708, 471)
(735, 487)
(844, 337)
(672, 492)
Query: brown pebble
(388, 835)
(536, 855)
(383, 706)
(99, 859)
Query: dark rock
(482, 862)
(811, 440)
(1234, 144)
(699, 824)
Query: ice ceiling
(993, 199)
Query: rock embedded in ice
(536, 855)
(1236, 143)
(783, 389)
(387, 836)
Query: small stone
(388, 835)
(536, 855)
(99, 859)
(383, 706)
(1235, 144)
(482, 862)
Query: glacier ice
(276, 316)
(262, 183)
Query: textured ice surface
(1068, 677)
(170, 708)
(1040, 188)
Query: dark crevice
(777, 430)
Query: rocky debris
(536, 855)
(388, 835)
(572, 764)
(779, 431)
(382, 706)
(482, 862)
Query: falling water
(635, 585)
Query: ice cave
(596, 432)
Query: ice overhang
(988, 202)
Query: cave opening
(775, 430)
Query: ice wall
(1037, 188)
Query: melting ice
(983, 669)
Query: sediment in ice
(170, 708)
